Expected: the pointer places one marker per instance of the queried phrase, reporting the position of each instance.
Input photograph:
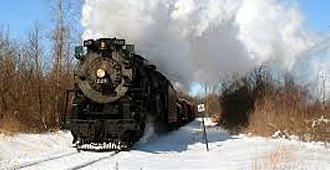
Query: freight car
(186, 111)
(116, 93)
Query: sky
(317, 14)
(19, 16)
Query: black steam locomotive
(116, 93)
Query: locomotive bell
(103, 45)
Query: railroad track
(63, 156)
(25, 165)
(94, 161)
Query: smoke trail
(149, 134)
(196, 40)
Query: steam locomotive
(117, 93)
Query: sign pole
(201, 109)
(205, 135)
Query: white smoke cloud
(197, 40)
(273, 31)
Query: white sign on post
(201, 108)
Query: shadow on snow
(180, 139)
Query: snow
(181, 149)
(23, 148)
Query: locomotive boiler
(116, 93)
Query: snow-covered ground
(181, 149)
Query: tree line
(37, 70)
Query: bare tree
(211, 99)
(59, 51)
(35, 53)
(7, 55)
(30, 99)
(3, 44)
(66, 12)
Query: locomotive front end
(102, 111)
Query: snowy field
(181, 149)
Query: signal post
(201, 109)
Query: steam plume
(196, 40)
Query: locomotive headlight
(100, 73)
